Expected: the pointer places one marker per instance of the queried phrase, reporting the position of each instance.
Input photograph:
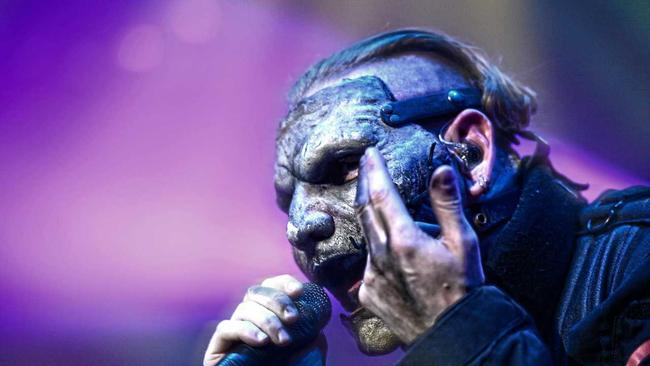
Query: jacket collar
(528, 256)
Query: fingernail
(371, 153)
(293, 287)
(290, 312)
(444, 179)
(261, 336)
(447, 179)
(283, 336)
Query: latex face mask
(318, 149)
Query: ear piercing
(482, 182)
(469, 154)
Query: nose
(314, 226)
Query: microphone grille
(315, 310)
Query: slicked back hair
(508, 103)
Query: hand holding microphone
(275, 321)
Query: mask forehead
(352, 101)
(362, 91)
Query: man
(407, 201)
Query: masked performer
(406, 200)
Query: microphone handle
(245, 355)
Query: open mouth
(342, 275)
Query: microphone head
(314, 309)
(314, 312)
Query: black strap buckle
(594, 228)
(399, 113)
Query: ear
(475, 128)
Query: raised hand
(410, 277)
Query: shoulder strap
(629, 206)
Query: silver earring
(469, 154)
(482, 182)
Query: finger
(372, 228)
(362, 199)
(376, 237)
(387, 203)
(447, 206)
(285, 283)
(263, 319)
(231, 331)
(275, 301)
(384, 196)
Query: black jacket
(568, 283)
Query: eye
(345, 169)
(350, 168)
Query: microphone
(314, 311)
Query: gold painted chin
(370, 332)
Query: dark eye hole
(344, 169)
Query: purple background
(136, 150)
